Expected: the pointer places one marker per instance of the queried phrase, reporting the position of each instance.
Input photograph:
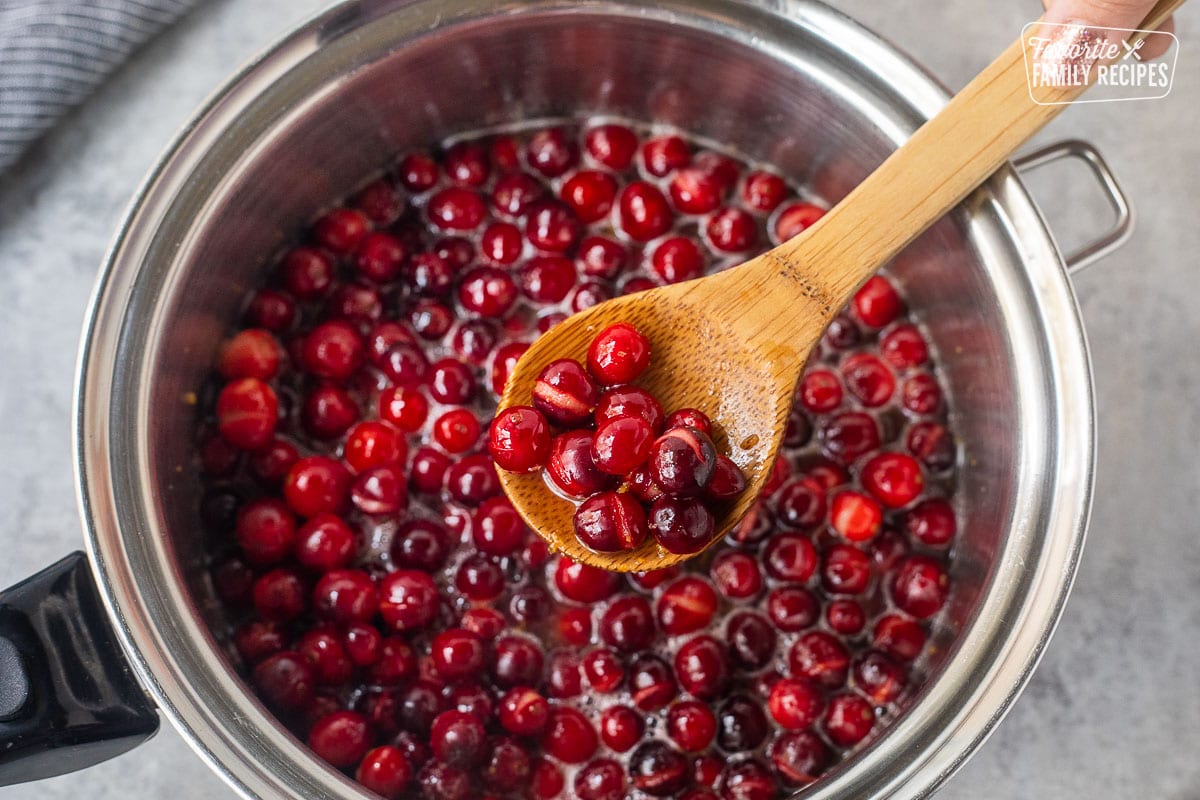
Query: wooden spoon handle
(943, 162)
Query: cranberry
(374, 444)
(516, 662)
(497, 529)
(792, 609)
(800, 757)
(820, 391)
(345, 595)
(363, 643)
(513, 195)
(247, 412)
(602, 667)
(251, 353)
(325, 652)
(622, 445)
(458, 654)
(751, 641)
(920, 586)
(899, 637)
(795, 704)
(548, 781)
(702, 667)
(894, 478)
(328, 412)
(419, 706)
(466, 164)
(582, 583)
(420, 545)
(487, 291)
(869, 379)
(569, 736)
(610, 522)
(325, 542)
(845, 617)
(921, 394)
(691, 725)
(749, 780)
(932, 522)
(571, 467)
(732, 230)
(408, 600)
(849, 435)
(506, 359)
(845, 570)
(612, 146)
(385, 771)
(741, 724)
(681, 525)
(552, 151)
(547, 279)
(801, 504)
(530, 605)
(651, 683)
(286, 680)
(472, 480)
(271, 310)
(790, 557)
(687, 605)
(821, 658)
(621, 728)
(565, 393)
(855, 516)
(524, 712)
(380, 202)
(333, 350)
(505, 153)
(233, 581)
(881, 678)
(876, 302)
(380, 490)
(479, 578)
(932, 444)
(552, 228)
(315, 485)
(629, 401)
(355, 302)
(258, 639)
(397, 664)
(644, 211)
(590, 194)
(266, 531)
(848, 720)
(796, 218)
(418, 172)
(458, 739)
(736, 575)
(456, 209)
(429, 274)
(658, 770)
(601, 257)
(663, 154)
(764, 191)
(509, 766)
(682, 461)
(602, 779)
(444, 782)
(307, 273)
(575, 625)
(341, 738)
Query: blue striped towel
(54, 53)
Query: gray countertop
(1113, 710)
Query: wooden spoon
(733, 344)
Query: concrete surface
(1113, 711)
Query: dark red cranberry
(843, 332)
(458, 654)
(629, 401)
(741, 724)
(682, 461)
(341, 738)
(408, 600)
(590, 194)
(848, 435)
(565, 393)
(642, 486)
(751, 641)
(524, 712)
(333, 350)
(845, 570)
(588, 294)
(505, 153)
(429, 275)
(272, 310)
(879, 677)
(324, 650)
(508, 767)
(869, 379)
(234, 580)
(418, 172)
(800, 757)
(845, 617)
(397, 663)
(286, 680)
(552, 151)
(663, 154)
(497, 529)
(266, 531)
(601, 257)
(628, 624)
(571, 467)
(899, 637)
(472, 480)
(621, 728)
(501, 243)
(613, 146)
(548, 781)
(736, 575)
(792, 609)
(932, 444)
(444, 782)
(691, 726)
(421, 545)
(419, 706)
(458, 739)
(821, 658)
(530, 605)
(602, 667)
(658, 770)
(564, 676)
(651, 683)
(635, 285)
(575, 625)
(307, 273)
(645, 213)
(801, 504)
(385, 771)
(516, 661)
(921, 394)
(325, 543)
(487, 291)
(506, 359)
(727, 481)
(247, 412)
(795, 704)
(749, 780)
(920, 586)
(610, 522)
(732, 230)
(796, 218)
(380, 201)
(681, 525)
(687, 605)
(903, 347)
(328, 412)
(702, 667)
(552, 227)
(848, 720)
(513, 195)
(547, 279)
(363, 643)
(569, 736)
(258, 639)
(479, 578)
(466, 163)
(932, 522)
(456, 209)
(355, 302)
(602, 779)
(345, 595)
(341, 230)
(876, 302)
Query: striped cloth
(54, 53)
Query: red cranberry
(429, 275)
(258, 639)
(444, 782)
(458, 739)
(869, 379)
(651, 683)
(621, 728)
(622, 445)
(628, 624)
(505, 153)
(564, 678)
(548, 781)
(363, 643)
(879, 677)
(849, 435)
(751, 641)
(820, 391)
(478, 578)
(764, 191)
(501, 243)
(234, 581)
(547, 279)
(845, 617)
(932, 522)
(315, 485)
(328, 412)
(472, 480)
(498, 530)
(894, 478)
(681, 525)
(602, 667)
(565, 393)
(380, 202)
(821, 658)
(355, 302)
(792, 609)
(876, 302)
(736, 575)
(333, 350)
(458, 654)
(516, 662)
(552, 228)
(582, 583)
(899, 637)
(691, 725)
(795, 704)
(341, 738)
(451, 382)
(790, 557)
(487, 291)
(307, 273)
(658, 770)
(419, 705)
(602, 779)
(845, 570)
(466, 164)
(682, 461)
(569, 736)
(271, 310)
(613, 146)
(247, 412)
(530, 605)
(635, 285)
(695, 191)
(741, 724)
(706, 771)
(702, 667)
(920, 586)
(932, 444)
(509, 766)
(552, 152)
(408, 600)
(457, 430)
(590, 194)
(325, 543)
(601, 257)
(618, 354)
(250, 354)
(800, 757)
(749, 780)
(380, 490)
(921, 394)
(796, 218)
(513, 195)
(645, 213)
(663, 154)
(385, 771)
(686, 605)
(418, 172)
(420, 545)
(397, 664)
(732, 230)
(801, 504)
(506, 359)
(609, 522)
(589, 294)
(456, 209)
(487, 622)
(903, 347)
(629, 401)
(374, 444)
(266, 531)
(571, 467)
(345, 595)
(848, 720)
(325, 652)
(855, 516)
(575, 625)
(524, 712)
(286, 680)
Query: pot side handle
(68, 698)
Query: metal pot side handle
(68, 698)
(1122, 227)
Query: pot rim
(971, 704)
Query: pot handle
(68, 698)
(1122, 228)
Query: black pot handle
(68, 698)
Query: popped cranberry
(408, 600)
(681, 525)
(736, 575)
(663, 154)
(732, 230)
(855, 516)
(821, 658)
(552, 151)
(571, 466)
(385, 771)
(644, 211)
(613, 146)
(247, 413)
(582, 583)
(920, 586)
(751, 641)
(795, 218)
(899, 637)
(702, 667)
(682, 461)
(610, 522)
(800, 757)
(651, 683)
(457, 209)
(848, 720)
(879, 677)
(658, 770)
(741, 724)
(932, 444)
(341, 738)
(687, 605)
(790, 558)
(621, 728)
(792, 608)
(565, 393)
(569, 736)
(691, 725)
(876, 302)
